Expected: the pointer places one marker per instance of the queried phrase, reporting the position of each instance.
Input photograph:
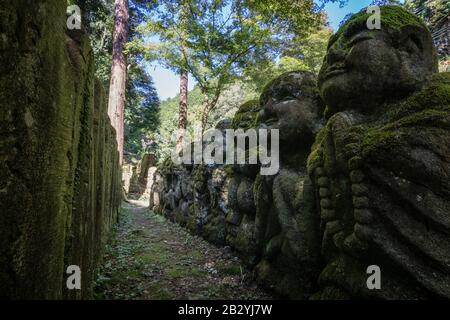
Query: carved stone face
(290, 104)
(363, 68)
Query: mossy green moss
(314, 157)
(215, 230)
(297, 84)
(247, 116)
(228, 268)
(229, 170)
(199, 179)
(60, 174)
(166, 166)
(427, 108)
(393, 18)
(435, 96)
(192, 221)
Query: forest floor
(150, 257)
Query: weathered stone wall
(195, 197)
(60, 181)
(136, 175)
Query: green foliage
(302, 54)
(227, 105)
(141, 110)
(98, 19)
(218, 40)
(431, 11)
(309, 50)
(259, 76)
(385, 2)
(306, 55)
(234, 48)
(435, 14)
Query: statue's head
(292, 104)
(364, 68)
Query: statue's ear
(416, 46)
(417, 43)
(414, 40)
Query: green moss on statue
(427, 108)
(247, 115)
(191, 221)
(229, 170)
(393, 18)
(381, 165)
(200, 179)
(166, 166)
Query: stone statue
(287, 226)
(241, 212)
(381, 166)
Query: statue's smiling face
(357, 70)
(290, 105)
(292, 117)
(363, 68)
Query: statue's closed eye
(358, 39)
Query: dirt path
(152, 258)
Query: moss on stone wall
(60, 187)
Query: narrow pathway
(149, 257)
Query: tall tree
(141, 106)
(117, 88)
(141, 110)
(184, 78)
(183, 109)
(98, 21)
(224, 38)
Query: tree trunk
(182, 115)
(116, 105)
(205, 115)
(208, 106)
(184, 78)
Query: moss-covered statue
(287, 226)
(241, 214)
(381, 166)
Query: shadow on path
(149, 257)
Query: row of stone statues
(363, 179)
